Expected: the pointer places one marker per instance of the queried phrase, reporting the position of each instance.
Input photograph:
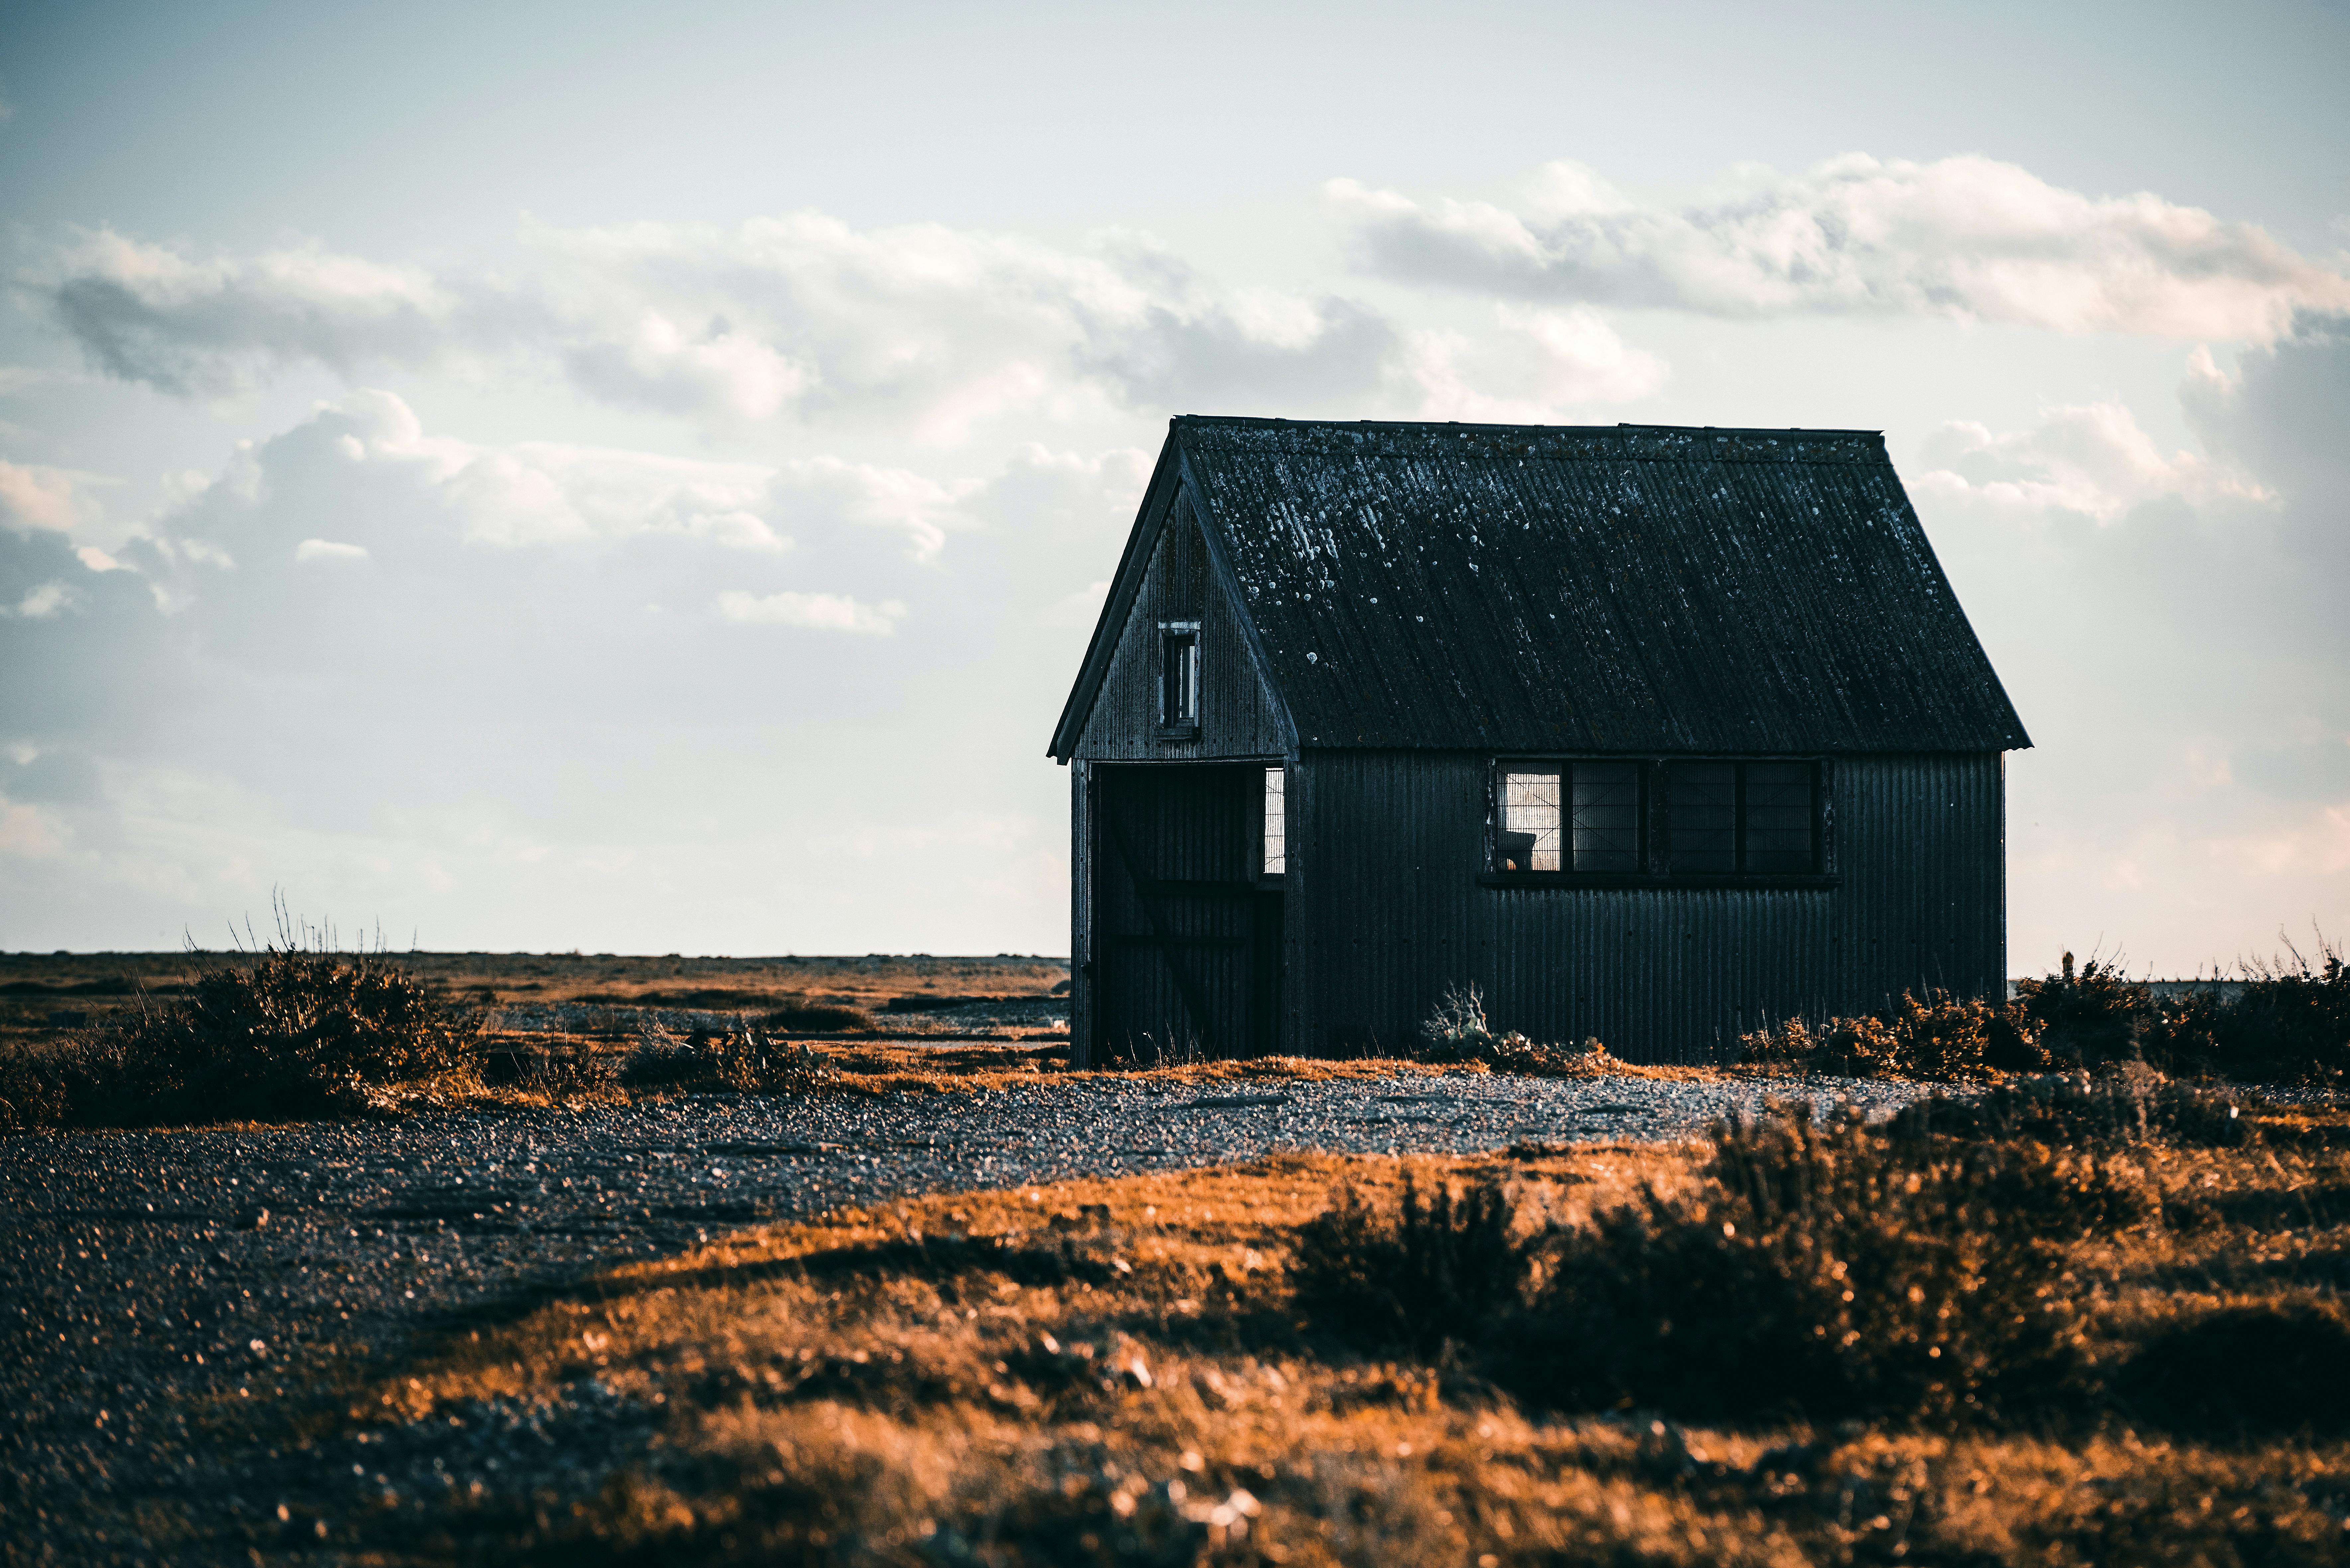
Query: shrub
(2108, 1110)
(740, 1062)
(1939, 1036)
(1456, 1032)
(1434, 1269)
(1822, 1271)
(288, 1032)
(2268, 1368)
(2086, 1019)
(2290, 1019)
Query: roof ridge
(1258, 421)
(1583, 444)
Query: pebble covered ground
(154, 1275)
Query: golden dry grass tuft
(1124, 1371)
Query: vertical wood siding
(1237, 718)
(1385, 911)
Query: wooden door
(1186, 936)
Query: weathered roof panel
(1633, 588)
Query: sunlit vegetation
(2107, 1333)
(2274, 1020)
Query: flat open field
(190, 1301)
(591, 996)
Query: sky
(641, 479)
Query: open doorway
(1187, 915)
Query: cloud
(1534, 363)
(800, 316)
(486, 730)
(329, 550)
(2169, 625)
(44, 601)
(1966, 237)
(2282, 409)
(35, 497)
(2092, 459)
(819, 612)
(148, 313)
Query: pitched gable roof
(1624, 588)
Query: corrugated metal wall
(1237, 718)
(1385, 911)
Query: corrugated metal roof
(1635, 588)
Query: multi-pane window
(1572, 817)
(1661, 820)
(1604, 811)
(1277, 822)
(1179, 673)
(1778, 817)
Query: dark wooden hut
(1651, 734)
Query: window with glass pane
(1530, 822)
(1276, 822)
(1607, 816)
(1703, 801)
(1179, 673)
(1778, 819)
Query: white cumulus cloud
(1966, 237)
(329, 550)
(2090, 458)
(1534, 363)
(926, 327)
(32, 496)
(818, 612)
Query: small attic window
(1179, 677)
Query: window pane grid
(1529, 822)
(1703, 802)
(1778, 819)
(1716, 818)
(1276, 822)
(1607, 797)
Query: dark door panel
(1181, 917)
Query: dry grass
(1124, 1371)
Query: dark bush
(1822, 1272)
(1456, 1032)
(287, 1032)
(2261, 1370)
(2088, 1018)
(1934, 1037)
(2106, 1110)
(2289, 1019)
(1443, 1267)
(738, 1062)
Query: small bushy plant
(738, 1062)
(2087, 1018)
(1822, 1269)
(2135, 1104)
(1832, 1275)
(2289, 1019)
(1441, 1266)
(1456, 1032)
(1936, 1036)
(288, 1031)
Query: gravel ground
(157, 1279)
